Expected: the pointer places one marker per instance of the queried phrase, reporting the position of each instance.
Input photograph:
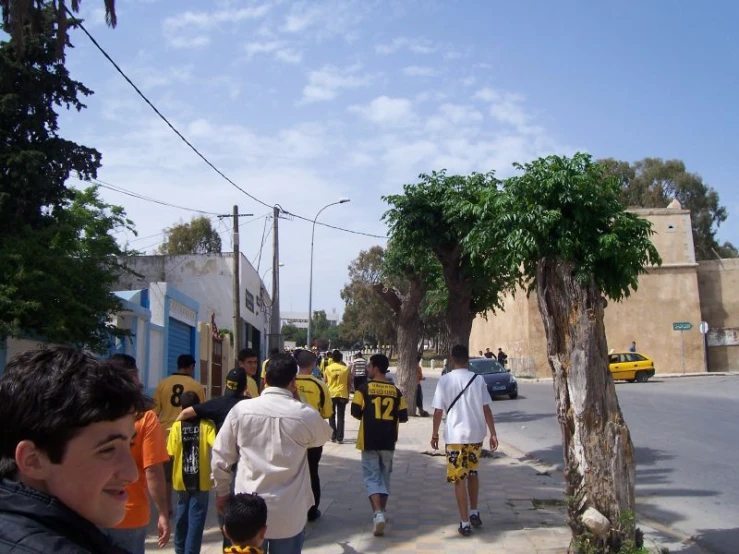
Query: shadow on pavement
(720, 541)
(519, 417)
(422, 508)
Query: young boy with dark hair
(65, 455)
(245, 523)
(380, 407)
(189, 445)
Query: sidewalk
(522, 511)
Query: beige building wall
(666, 294)
(718, 282)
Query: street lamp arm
(310, 291)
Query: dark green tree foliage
(435, 216)
(196, 237)
(56, 252)
(294, 334)
(568, 209)
(654, 183)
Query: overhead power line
(192, 147)
(121, 190)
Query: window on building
(249, 297)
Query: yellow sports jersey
(315, 393)
(189, 444)
(167, 397)
(243, 549)
(337, 378)
(380, 407)
(264, 371)
(251, 387)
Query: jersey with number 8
(380, 407)
(168, 397)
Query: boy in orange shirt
(149, 450)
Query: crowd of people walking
(83, 450)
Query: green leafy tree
(366, 316)
(196, 237)
(567, 235)
(55, 281)
(57, 255)
(22, 18)
(294, 334)
(654, 183)
(435, 216)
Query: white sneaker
(378, 524)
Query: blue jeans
(377, 465)
(133, 540)
(290, 545)
(192, 508)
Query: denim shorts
(377, 465)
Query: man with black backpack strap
(465, 399)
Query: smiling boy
(65, 456)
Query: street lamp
(268, 270)
(310, 290)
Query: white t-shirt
(465, 424)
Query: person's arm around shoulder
(154, 454)
(187, 413)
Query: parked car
(630, 366)
(499, 380)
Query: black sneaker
(475, 520)
(465, 530)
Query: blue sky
(302, 103)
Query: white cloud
(325, 19)
(277, 48)
(327, 82)
(419, 71)
(189, 29)
(148, 78)
(415, 45)
(508, 108)
(384, 110)
(469, 81)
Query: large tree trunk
(598, 452)
(407, 310)
(459, 318)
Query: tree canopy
(196, 237)
(57, 252)
(429, 224)
(568, 209)
(654, 183)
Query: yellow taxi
(630, 366)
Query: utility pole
(237, 286)
(275, 336)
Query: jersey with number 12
(380, 407)
(167, 399)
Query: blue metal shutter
(180, 342)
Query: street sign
(682, 326)
(703, 327)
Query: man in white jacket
(268, 437)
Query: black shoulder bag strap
(449, 409)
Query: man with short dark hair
(466, 401)
(359, 370)
(65, 455)
(380, 408)
(488, 353)
(272, 353)
(269, 437)
(313, 392)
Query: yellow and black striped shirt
(380, 407)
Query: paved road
(685, 433)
